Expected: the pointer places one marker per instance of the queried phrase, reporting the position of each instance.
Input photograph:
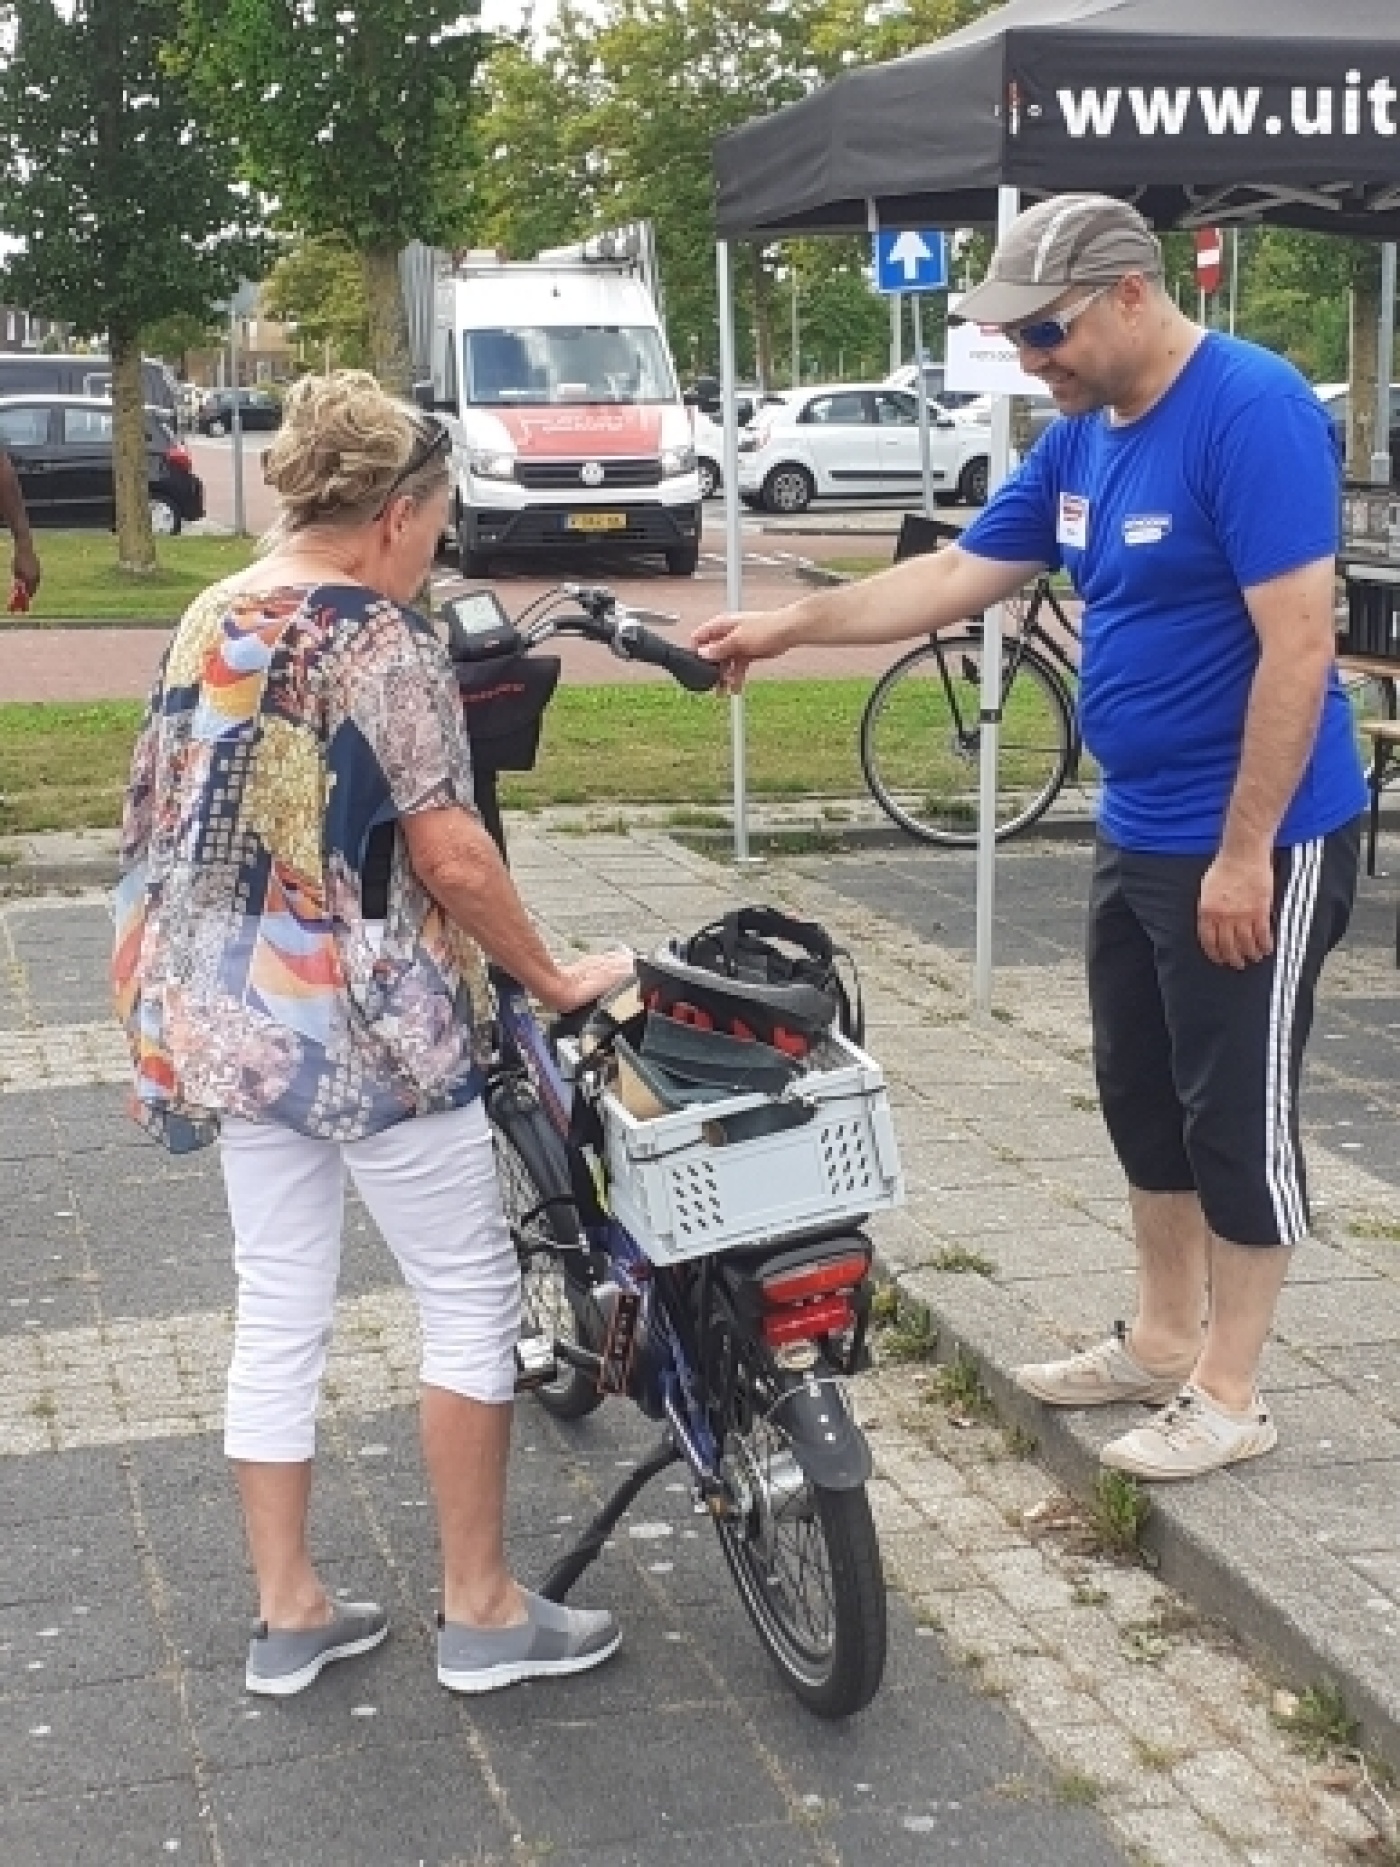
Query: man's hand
(26, 566)
(737, 640)
(590, 977)
(1234, 915)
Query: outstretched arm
(918, 597)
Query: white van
(569, 427)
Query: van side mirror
(422, 393)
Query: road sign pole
(921, 394)
(240, 524)
(896, 333)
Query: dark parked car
(61, 446)
(257, 408)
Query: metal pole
(896, 333)
(921, 395)
(1234, 275)
(1008, 203)
(796, 333)
(240, 526)
(1385, 368)
(733, 537)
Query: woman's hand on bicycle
(736, 640)
(589, 978)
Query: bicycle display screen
(478, 613)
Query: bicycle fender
(826, 1442)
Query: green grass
(81, 580)
(63, 766)
(1119, 1510)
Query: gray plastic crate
(681, 1195)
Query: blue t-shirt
(1229, 480)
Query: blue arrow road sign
(912, 261)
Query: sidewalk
(1014, 1236)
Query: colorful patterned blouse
(283, 727)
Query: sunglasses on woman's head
(1049, 333)
(434, 438)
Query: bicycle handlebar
(634, 643)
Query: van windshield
(561, 364)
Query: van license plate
(596, 522)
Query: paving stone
(1232, 1796)
(1342, 1314)
(92, 1737)
(136, 1822)
(1175, 1837)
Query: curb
(1223, 1551)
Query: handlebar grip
(689, 669)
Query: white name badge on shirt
(1072, 527)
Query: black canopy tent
(1199, 111)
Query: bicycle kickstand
(585, 1552)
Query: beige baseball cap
(1071, 239)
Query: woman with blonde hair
(301, 706)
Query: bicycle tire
(920, 742)
(543, 1223)
(834, 1669)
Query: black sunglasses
(434, 438)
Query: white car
(709, 435)
(839, 439)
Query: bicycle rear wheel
(805, 1559)
(920, 740)
(555, 1302)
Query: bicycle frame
(1030, 636)
(679, 1387)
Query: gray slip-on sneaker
(282, 1661)
(551, 1640)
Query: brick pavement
(1042, 1705)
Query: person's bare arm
(917, 597)
(26, 562)
(461, 868)
(1292, 615)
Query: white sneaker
(1194, 1434)
(1100, 1375)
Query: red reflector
(807, 1321)
(179, 457)
(812, 1280)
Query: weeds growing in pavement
(957, 1385)
(1119, 1509)
(959, 1258)
(905, 1330)
(1367, 1225)
(1316, 1719)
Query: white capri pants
(430, 1185)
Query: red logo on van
(565, 433)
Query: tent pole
(1008, 205)
(733, 539)
(1385, 368)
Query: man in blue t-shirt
(1191, 495)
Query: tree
(356, 120)
(320, 287)
(173, 337)
(123, 198)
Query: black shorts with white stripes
(1198, 1064)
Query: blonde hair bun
(342, 440)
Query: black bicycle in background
(921, 732)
